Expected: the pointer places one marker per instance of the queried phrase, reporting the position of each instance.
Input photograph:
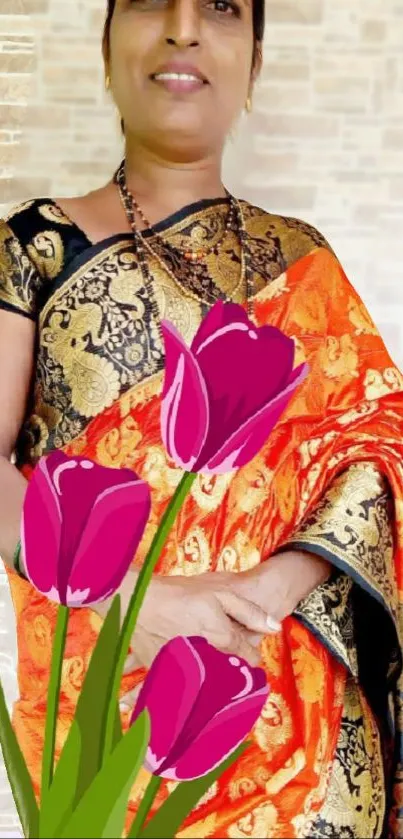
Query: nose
(183, 24)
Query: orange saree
(292, 781)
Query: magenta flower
(81, 526)
(223, 396)
(202, 704)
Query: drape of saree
(330, 478)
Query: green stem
(138, 595)
(59, 643)
(144, 807)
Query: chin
(189, 140)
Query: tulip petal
(185, 412)
(219, 316)
(244, 367)
(76, 482)
(169, 693)
(219, 738)
(41, 531)
(247, 440)
(227, 679)
(109, 541)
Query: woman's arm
(280, 584)
(17, 335)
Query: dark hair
(258, 16)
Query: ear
(257, 62)
(105, 48)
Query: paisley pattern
(97, 392)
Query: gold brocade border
(328, 613)
(360, 575)
(355, 800)
(79, 273)
(352, 527)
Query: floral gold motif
(258, 824)
(377, 383)
(274, 727)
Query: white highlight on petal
(253, 334)
(248, 683)
(171, 408)
(59, 471)
(152, 763)
(231, 327)
(52, 594)
(202, 669)
(76, 597)
(86, 464)
(43, 466)
(234, 661)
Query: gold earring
(107, 82)
(248, 105)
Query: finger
(243, 649)
(273, 625)
(243, 611)
(254, 638)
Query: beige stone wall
(325, 142)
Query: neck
(164, 185)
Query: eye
(225, 7)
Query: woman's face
(181, 71)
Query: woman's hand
(232, 610)
(204, 605)
(280, 583)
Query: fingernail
(272, 624)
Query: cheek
(234, 68)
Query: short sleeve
(20, 281)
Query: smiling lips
(179, 78)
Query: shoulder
(39, 227)
(288, 239)
(32, 217)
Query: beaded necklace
(142, 245)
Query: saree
(326, 754)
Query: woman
(83, 285)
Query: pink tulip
(223, 396)
(81, 526)
(202, 704)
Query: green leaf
(102, 810)
(118, 733)
(57, 804)
(18, 775)
(81, 757)
(169, 817)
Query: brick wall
(324, 142)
